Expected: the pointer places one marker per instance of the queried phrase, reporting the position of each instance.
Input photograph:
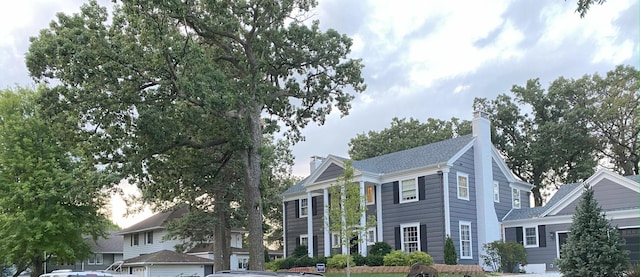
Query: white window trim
(496, 192)
(94, 257)
(408, 225)
(513, 199)
(366, 192)
(524, 236)
(300, 208)
(415, 189)
(335, 240)
(458, 175)
(306, 237)
(460, 224)
(375, 235)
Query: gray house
(105, 251)
(543, 230)
(459, 187)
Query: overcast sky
(422, 58)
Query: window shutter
(314, 205)
(297, 208)
(297, 241)
(542, 235)
(315, 246)
(421, 189)
(519, 238)
(396, 193)
(397, 236)
(423, 238)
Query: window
(304, 207)
(371, 195)
(304, 240)
(465, 240)
(409, 236)
(463, 186)
(496, 191)
(95, 259)
(408, 190)
(371, 236)
(135, 239)
(515, 196)
(335, 240)
(531, 237)
(243, 263)
(149, 236)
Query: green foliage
(404, 134)
(419, 257)
(584, 5)
(450, 254)
(594, 247)
(339, 261)
(272, 265)
(375, 260)
(359, 260)
(396, 258)
(51, 194)
(632, 271)
(300, 251)
(380, 248)
(304, 261)
(504, 256)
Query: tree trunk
(218, 242)
(38, 266)
(253, 174)
(537, 197)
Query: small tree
(346, 208)
(594, 247)
(450, 256)
(504, 256)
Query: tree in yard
(404, 134)
(50, 197)
(346, 209)
(584, 5)
(450, 255)
(594, 247)
(220, 65)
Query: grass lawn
(390, 275)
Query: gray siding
(333, 171)
(610, 196)
(463, 210)
(504, 206)
(427, 212)
(296, 226)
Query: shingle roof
(430, 154)
(113, 243)
(525, 213)
(155, 221)
(167, 257)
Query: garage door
(632, 239)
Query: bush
(284, 263)
(359, 259)
(380, 249)
(504, 256)
(320, 260)
(300, 251)
(304, 261)
(339, 261)
(272, 266)
(450, 255)
(396, 258)
(633, 271)
(375, 260)
(420, 257)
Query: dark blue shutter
(542, 235)
(314, 205)
(297, 208)
(423, 238)
(421, 189)
(397, 237)
(396, 193)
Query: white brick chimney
(315, 162)
(488, 224)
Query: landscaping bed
(442, 268)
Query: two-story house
(148, 252)
(105, 251)
(543, 230)
(458, 187)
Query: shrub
(304, 261)
(339, 261)
(359, 259)
(504, 256)
(284, 263)
(420, 257)
(321, 260)
(396, 258)
(300, 251)
(272, 266)
(450, 255)
(375, 260)
(380, 249)
(633, 271)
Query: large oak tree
(242, 65)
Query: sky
(423, 59)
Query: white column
(284, 227)
(445, 190)
(379, 211)
(309, 225)
(363, 222)
(325, 214)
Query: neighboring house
(105, 251)
(148, 252)
(459, 187)
(543, 230)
